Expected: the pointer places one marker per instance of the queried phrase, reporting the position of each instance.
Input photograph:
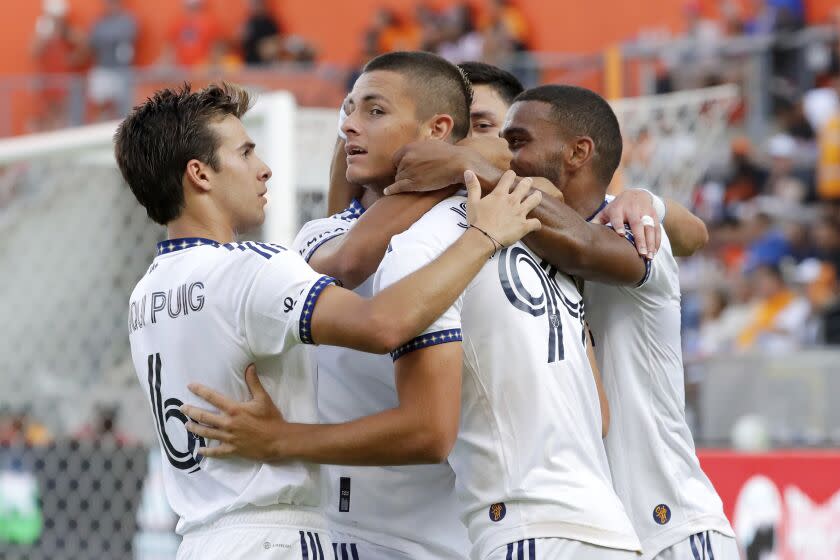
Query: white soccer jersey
(412, 509)
(651, 451)
(202, 313)
(529, 460)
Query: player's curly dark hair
(160, 136)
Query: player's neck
(584, 197)
(369, 196)
(188, 226)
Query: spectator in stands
(746, 177)
(828, 166)
(784, 185)
(826, 239)
(19, 428)
(778, 323)
(58, 48)
(194, 38)
(504, 16)
(261, 36)
(461, 41)
(767, 244)
(112, 42)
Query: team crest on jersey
(662, 514)
(548, 299)
(497, 512)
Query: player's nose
(265, 173)
(350, 124)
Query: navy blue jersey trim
(603, 205)
(309, 307)
(352, 212)
(426, 340)
(172, 245)
(628, 235)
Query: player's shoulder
(443, 224)
(243, 258)
(315, 233)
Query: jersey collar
(355, 210)
(172, 245)
(595, 213)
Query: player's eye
(376, 111)
(483, 125)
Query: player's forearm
(582, 249)
(341, 190)
(392, 437)
(357, 254)
(687, 232)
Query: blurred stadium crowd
(768, 281)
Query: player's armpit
(687, 233)
(589, 251)
(354, 256)
(342, 191)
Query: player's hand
(629, 209)
(427, 165)
(503, 214)
(493, 149)
(241, 428)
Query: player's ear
(440, 127)
(196, 175)
(581, 150)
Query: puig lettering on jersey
(177, 302)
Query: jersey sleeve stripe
(311, 250)
(309, 307)
(426, 340)
(648, 262)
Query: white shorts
(558, 549)
(708, 545)
(349, 547)
(257, 543)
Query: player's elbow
(352, 271)
(384, 333)
(435, 443)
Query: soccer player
(571, 136)
(493, 90)
(211, 303)
(529, 459)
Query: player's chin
(358, 175)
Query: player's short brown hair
(160, 136)
(438, 86)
